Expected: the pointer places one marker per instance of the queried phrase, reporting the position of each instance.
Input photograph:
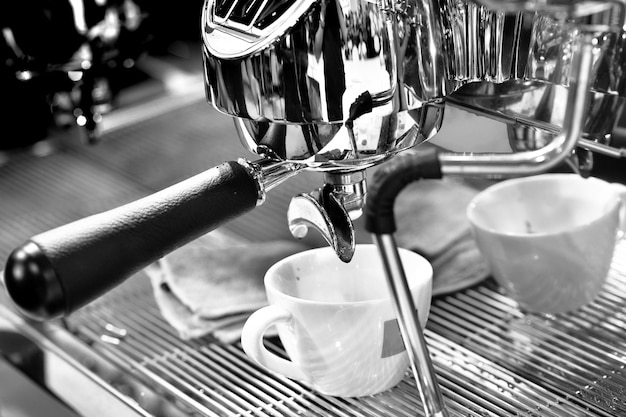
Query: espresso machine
(341, 86)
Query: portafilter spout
(330, 210)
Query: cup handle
(621, 192)
(252, 342)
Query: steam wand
(429, 163)
(387, 184)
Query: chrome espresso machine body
(339, 86)
(376, 82)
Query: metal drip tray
(490, 359)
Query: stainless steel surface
(297, 65)
(425, 49)
(562, 8)
(536, 161)
(19, 396)
(72, 373)
(292, 79)
(490, 359)
(295, 74)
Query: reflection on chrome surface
(341, 85)
(538, 105)
(305, 66)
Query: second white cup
(549, 239)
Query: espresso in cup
(549, 239)
(336, 320)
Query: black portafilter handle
(61, 270)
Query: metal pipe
(602, 149)
(410, 329)
(553, 154)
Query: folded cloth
(202, 288)
(431, 219)
(188, 324)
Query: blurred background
(59, 56)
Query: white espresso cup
(549, 239)
(336, 320)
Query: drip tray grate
(490, 359)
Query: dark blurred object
(24, 354)
(609, 168)
(173, 24)
(58, 59)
